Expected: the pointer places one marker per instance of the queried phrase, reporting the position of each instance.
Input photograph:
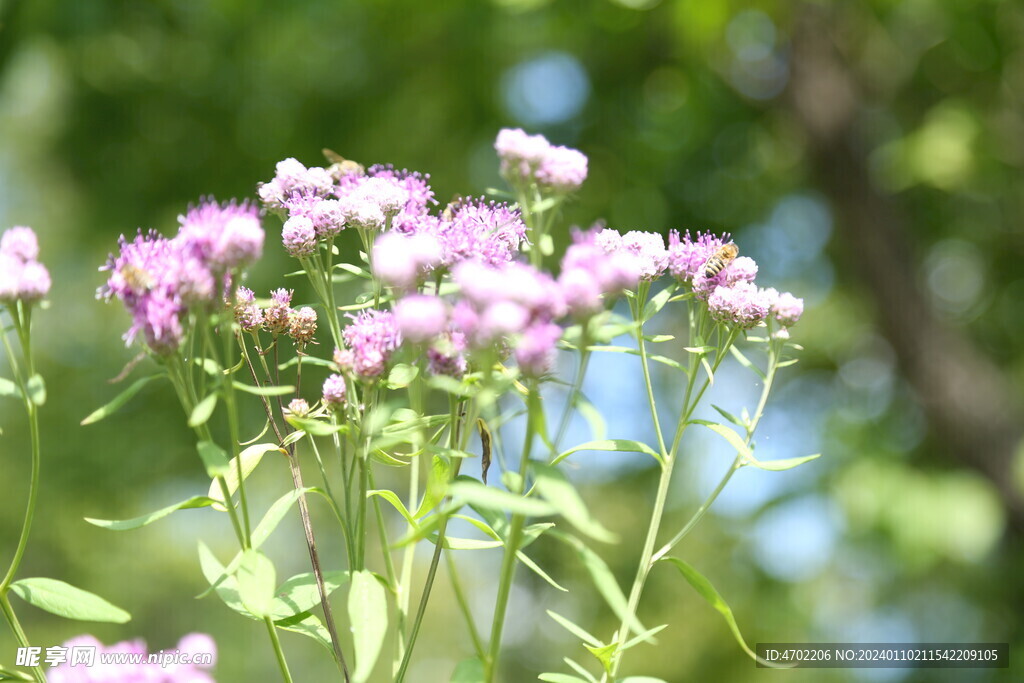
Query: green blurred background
(867, 154)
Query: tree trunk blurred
(970, 406)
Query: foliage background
(867, 154)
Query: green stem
(577, 385)
(508, 563)
(30, 507)
(233, 430)
(460, 598)
(285, 673)
(19, 632)
(453, 441)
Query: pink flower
(420, 317)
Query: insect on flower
(139, 279)
(454, 205)
(722, 257)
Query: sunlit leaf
(497, 499)
(250, 458)
(65, 600)
(619, 445)
(708, 592)
(203, 410)
(553, 487)
(256, 580)
(149, 518)
(368, 614)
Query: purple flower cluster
(528, 159)
(513, 302)
(370, 339)
(159, 279)
(490, 232)
(167, 666)
(320, 203)
(743, 305)
(22, 276)
(589, 274)
(292, 180)
(334, 392)
(647, 248)
(248, 315)
(731, 294)
(402, 260)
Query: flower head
(421, 317)
(298, 407)
(402, 195)
(646, 250)
(299, 236)
(223, 236)
(535, 349)
(22, 277)
(370, 339)
(743, 305)
(529, 159)
(589, 272)
(490, 232)
(402, 260)
(292, 178)
(248, 315)
(21, 243)
(447, 355)
(687, 256)
(788, 309)
(276, 317)
(334, 392)
(302, 325)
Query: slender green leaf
(574, 629)
(780, 465)
(118, 401)
(368, 614)
(729, 416)
(275, 514)
(315, 427)
(264, 391)
(309, 626)
(708, 592)
(214, 458)
(149, 518)
(603, 580)
(455, 543)
(734, 439)
(657, 302)
(593, 416)
(250, 458)
(561, 678)
(203, 410)
(700, 350)
(646, 636)
(437, 485)
(659, 338)
(620, 445)
(553, 487)
(536, 569)
(7, 675)
(36, 388)
(578, 668)
(745, 362)
(497, 499)
(65, 600)
(396, 502)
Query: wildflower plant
(24, 284)
(454, 334)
